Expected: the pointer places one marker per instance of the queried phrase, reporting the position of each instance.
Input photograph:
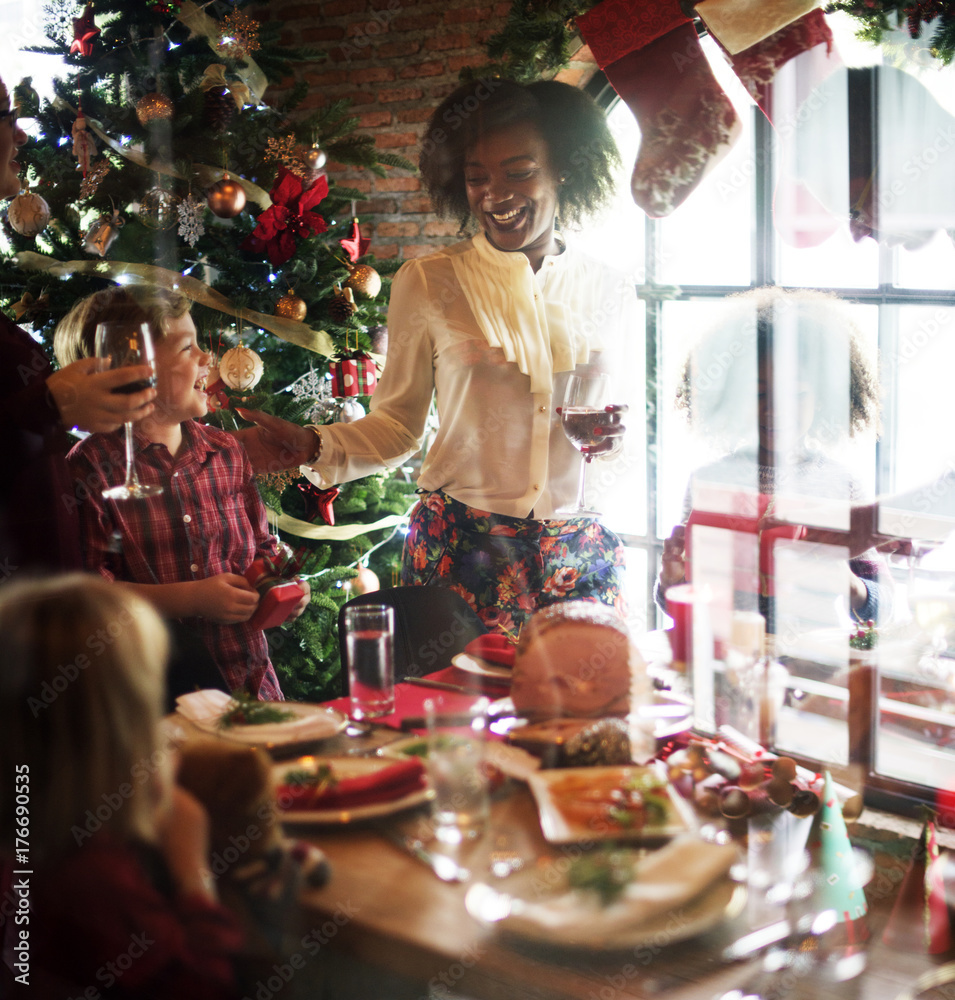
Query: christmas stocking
(805, 43)
(652, 57)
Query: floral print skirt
(508, 567)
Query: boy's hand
(86, 398)
(303, 602)
(226, 599)
(673, 565)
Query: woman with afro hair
(490, 328)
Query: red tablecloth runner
(410, 698)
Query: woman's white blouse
(495, 342)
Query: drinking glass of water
(369, 649)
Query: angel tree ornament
(241, 368)
(102, 234)
(83, 144)
(28, 213)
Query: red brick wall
(394, 60)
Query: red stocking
(656, 65)
(801, 219)
(758, 65)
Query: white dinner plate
(346, 767)
(557, 917)
(481, 668)
(509, 760)
(308, 723)
(560, 828)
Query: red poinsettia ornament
(355, 245)
(84, 31)
(289, 218)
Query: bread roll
(577, 658)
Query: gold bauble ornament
(28, 213)
(290, 306)
(363, 279)
(159, 209)
(226, 198)
(154, 108)
(241, 368)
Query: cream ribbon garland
(330, 532)
(199, 23)
(204, 174)
(289, 330)
(215, 77)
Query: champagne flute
(117, 346)
(582, 412)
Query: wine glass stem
(582, 480)
(131, 478)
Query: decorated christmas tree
(162, 159)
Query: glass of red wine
(119, 345)
(582, 412)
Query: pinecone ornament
(343, 306)
(218, 109)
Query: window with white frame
(867, 147)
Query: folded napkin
(382, 785)
(309, 722)
(492, 648)
(664, 881)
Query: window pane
(932, 266)
(708, 240)
(621, 483)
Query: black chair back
(432, 624)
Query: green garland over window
(537, 39)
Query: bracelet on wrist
(318, 445)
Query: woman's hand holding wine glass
(592, 426)
(120, 345)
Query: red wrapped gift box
(356, 376)
(277, 597)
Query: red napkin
(493, 647)
(383, 785)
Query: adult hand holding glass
(87, 398)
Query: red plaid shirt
(209, 519)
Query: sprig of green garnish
(244, 710)
(606, 873)
(319, 779)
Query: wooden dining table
(386, 912)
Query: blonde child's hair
(81, 695)
(75, 335)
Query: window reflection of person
(779, 439)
